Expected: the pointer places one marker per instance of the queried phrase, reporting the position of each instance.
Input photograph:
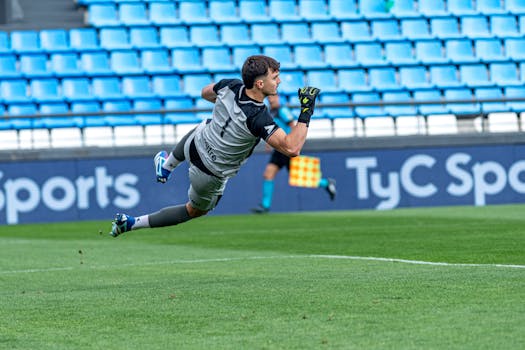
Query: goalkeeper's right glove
(307, 96)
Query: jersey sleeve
(231, 83)
(262, 125)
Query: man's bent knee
(194, 212)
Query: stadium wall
(373, 173)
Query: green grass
(258, 282)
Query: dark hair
(256, 66)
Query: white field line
(272, 257)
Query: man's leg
(329, 185)
(276, 163)
(165, 163)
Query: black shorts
(280, 160)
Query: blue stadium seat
(148, 105)
(430, 52)
(489, 50)
(253, 11)
(283, 54)
(309, 57)
(516, 92)
(14, 91)
(125, 62)
(118, 106)
(461, 108)
(8, 67)
(205, 35)
(370, 54)
(83, 39)
(515, 48)
(414, 78)
(504, 26)
(193, 12)
(220, 76)
(65, 65)
(404, 9)
(88, 107)
(343, 10)
(475, 27)
(400, 53)
(284, 11)
(326, 33)
(241, 53)
(193, 83)
(433, 8)
(163, 13)
(114, 38)
(56, 122)
(76, 89)
(235, 34)
(490, 7)
(4, 43)
(26, 41)
(155, 61)
(133, 14)
(266, 33)
(137, 87)
(172, 37)
(383, 79)
(175, 118)
(187, 60)
(106, 88)
(373, 9)
(291, 81)
(415, 29)
(461, 7)
(367, 111)
(355, 32)
(385, 30)
(445, 28)
(339, 56)
(460, 51)
(324, 78)
(202, 103)
(295, 33)
(144, 38)
(488, 93)
(217, 59)
(45, 90)
(427, 96)
(336, 112)
(521, 21)
(313, 10)
(522, 71)
(516, 7)
(54, 40)
(444, 76)
(399, 110)
(34, 66)
(167, 86)
(353, 80)
(22, 110)
(223, 11)
(95, 63)
(474, 75)
(505, 74)
(103, 15)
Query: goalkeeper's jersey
(238, 124)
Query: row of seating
(253, 11)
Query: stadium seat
(291, 81)
(205, 35)
(516, 7)
(4, 43)
(193, 83)
(283, 11)
(490, 7)
(220, 76)
(241, 53)
(194, 12)
(489, 50)
(444, 76)
(54, 40)
(515, 48)
(8, 67)
(115, 120)
(383, 79)
(369, 55)
(235, 34)
(155, 62)
(385, 30)
(516, 92)
(475, 27)
(505, 74)
(203, 104)
(400, 53)
(83, 39)
(326, 33)
(490, 93)
(137, 87)
(56, 122)
(76, 89)
(433, 8)
(45, 90)
(34, 66)
(24, 109)
(445, 28)
(283, 54)
(461, 7)
(14, 91)
(133, 14)
(103, 15)
(353, 80)
(95, 63)
(26, 41)
(148, 105)
(295, 33)
(125, 62)
(336, 112)
(474, 75)
(223, 11)
(355, 32)
(339, 56)
(324, 78)
(367, 111)
(266, 34)
(65, 65)
(174, 37)
(460, 51)
(428, 96)
(461, 108)
(253, 11)
(309, 57)
(180, 117)
(398, 110)
(167, 86)
(217, 59)
(106, 88)
(88, 107)
(404, 9)
(503, 122)
(313, 10)
(343, 10)
(430, 52)
(504, 26)
(414, 78)
(187, 60)
(415, 29)
(114, 38)
(373, 9)
(163, 13)
(143, 38)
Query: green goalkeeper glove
(307, 96)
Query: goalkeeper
(216, 149)
(284, 119)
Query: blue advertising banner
(89, 189)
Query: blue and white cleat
(122, 223)
(162, 174)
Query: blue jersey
(283, 117)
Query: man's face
(271, 82)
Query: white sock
(141, 222)
(171, 162)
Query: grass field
(324, 280)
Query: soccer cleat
(122, 223)
(332, 191)
(162, 174)
(260, 210)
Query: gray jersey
(237, 126)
